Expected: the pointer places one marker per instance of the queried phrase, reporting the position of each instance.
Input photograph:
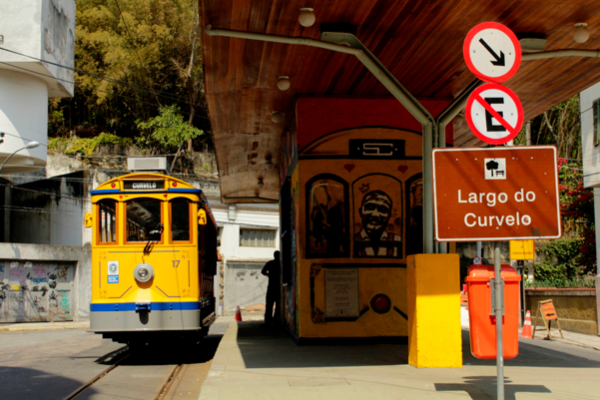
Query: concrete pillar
(7, 208)
(598, 302)
(434, 331)
(597, 221)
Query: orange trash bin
(482, 321)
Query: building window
(257, 237)
(596, 107)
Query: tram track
(117, 358)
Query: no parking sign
(493, 53)
(494, 113)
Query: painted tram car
(154, 256)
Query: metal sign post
(502, 193)
(498, 312)
(492, 52)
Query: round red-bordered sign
(492, 52)
(494, 113)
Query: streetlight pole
(30, 145)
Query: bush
(587, 282)
(88, 145)
(560, 259)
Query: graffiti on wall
(35, 291)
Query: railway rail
(117, 358)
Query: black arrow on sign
(499, 60)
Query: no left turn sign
(494, 113)
(492, 52)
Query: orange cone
(526, 332)
(238, 314)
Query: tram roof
(419, 41)
(174, 185)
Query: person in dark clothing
(272, 270)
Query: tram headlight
(143, 273)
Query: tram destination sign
(492, 194)
(143, 185)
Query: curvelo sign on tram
(490, 194)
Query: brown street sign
(501, 193)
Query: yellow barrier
(434, 331)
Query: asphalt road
(51, 364)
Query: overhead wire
(92, 88)
(134, 86)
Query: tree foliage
(136, 57)
(574, 255)
(559, 126)
(168, 129)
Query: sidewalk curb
(45, 328)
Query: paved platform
(257, 363)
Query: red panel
(318, 116)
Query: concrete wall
(576, 308)
(245, 286)
(81, 256)
(42, 29)
(23, 118)
(50, 211)
(58, 25)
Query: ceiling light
(284, 83)
(260, 183)
(269, 164)
(581, 33)
(277, 117)
(307, 17)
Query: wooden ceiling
(419, 41)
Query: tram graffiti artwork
(378, 217)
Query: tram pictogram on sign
(494, 113)
(492, 52)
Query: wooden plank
(419, 41)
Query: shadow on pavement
(271, 348)
(538, 353)
(175, 353)
(40, 384)
(474, 385)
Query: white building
(589, 103)
(37, 42)
(249, 236)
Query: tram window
(143, 216)
(180, 220)
(107, 229)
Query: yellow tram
(154, 256)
